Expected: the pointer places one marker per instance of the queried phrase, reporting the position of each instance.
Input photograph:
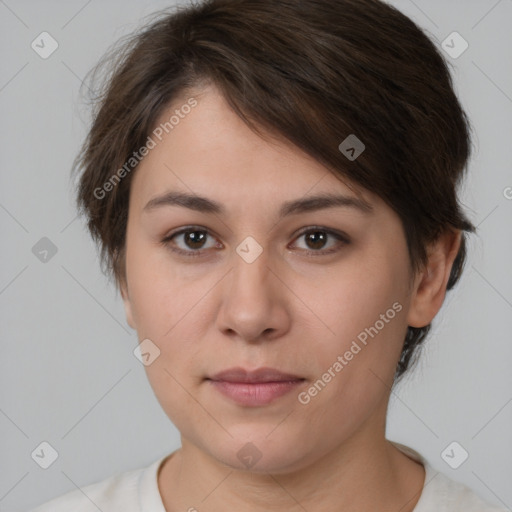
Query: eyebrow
(312, 203)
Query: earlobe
(430, 286)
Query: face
(319, 294)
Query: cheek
(165, 301)
(351, 297)
(362, 306)
(162, 294)
(355, 358)
(168, 304)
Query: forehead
(208, 150)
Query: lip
(260, 375)
(254, 388)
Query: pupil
(318, 238)
(194, 239)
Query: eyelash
(312, 229)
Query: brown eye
(317, 240)
(194, 239)
(190, 241)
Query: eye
(192, 241)
(317, 237)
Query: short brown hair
(312, 72)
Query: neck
(360, 474)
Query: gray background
(67, 372)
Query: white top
(137, 491)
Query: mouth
(254, 388)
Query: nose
(254, 301)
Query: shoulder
(443, 494)
(119, 492)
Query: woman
(273, 185)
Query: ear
(123, 288)
(430, 284)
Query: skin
(286, 310)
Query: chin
(255, 451)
